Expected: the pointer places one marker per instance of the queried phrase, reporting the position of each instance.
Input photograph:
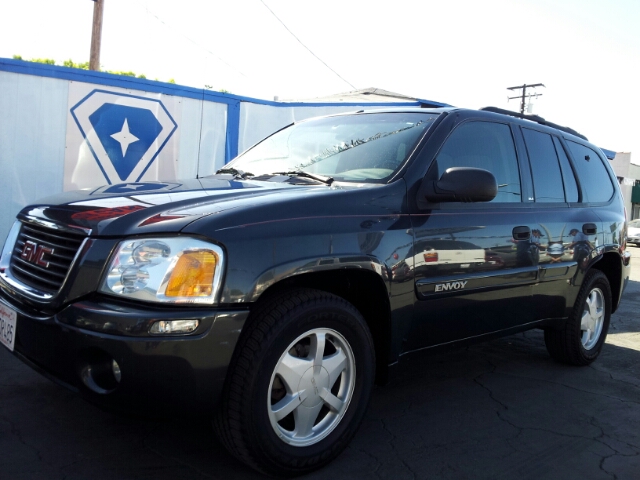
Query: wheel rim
(311, 387)
(592, 319)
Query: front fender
(287, 270)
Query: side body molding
(455, 284)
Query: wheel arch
(364, 289)
(611, 265)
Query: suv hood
(158, 207)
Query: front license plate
(7, 326)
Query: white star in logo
(130, 186)
(124, 137)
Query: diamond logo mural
(125, 133)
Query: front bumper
(76, 347)
(633, 239)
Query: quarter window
(484, 145)
(594, 177)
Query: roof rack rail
(534, 118)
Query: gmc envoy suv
(272, 295)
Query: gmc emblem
(34, 253)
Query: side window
(547, 179)
(594, 177)
(484, 145)
(570, 184)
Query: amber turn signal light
(193, 274)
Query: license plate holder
(8, 317)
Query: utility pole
(524, 95)
(96, 35)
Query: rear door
(567, 229)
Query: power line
(149, 12)
(308, 49)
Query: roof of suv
(493, 110)
(501, 111)
(534, 118)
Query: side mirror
(461, 184)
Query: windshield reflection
(351, 148)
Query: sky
(461, 52)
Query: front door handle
(521, 233)
(589, 228)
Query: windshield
(350, 148)
(634, 223)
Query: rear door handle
(589, 229)
(521, 233)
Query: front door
(474, 264)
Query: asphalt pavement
(499, 410)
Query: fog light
(115, 368)
(174, 326)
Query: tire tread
(565, 345)
(265, 322)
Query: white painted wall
(211, 140)
(621, 164)
(33, 122)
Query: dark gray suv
(274, 293)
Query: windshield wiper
(300, 173)
(235, 172)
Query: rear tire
(581, 339)
(299, 383)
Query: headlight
(171, 270)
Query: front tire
(299, 383)
(581, 339)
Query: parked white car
(447, 255)
(633, 232)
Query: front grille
(45, 262)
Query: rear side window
(594, 177)
(547, 179)
(484, 145)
